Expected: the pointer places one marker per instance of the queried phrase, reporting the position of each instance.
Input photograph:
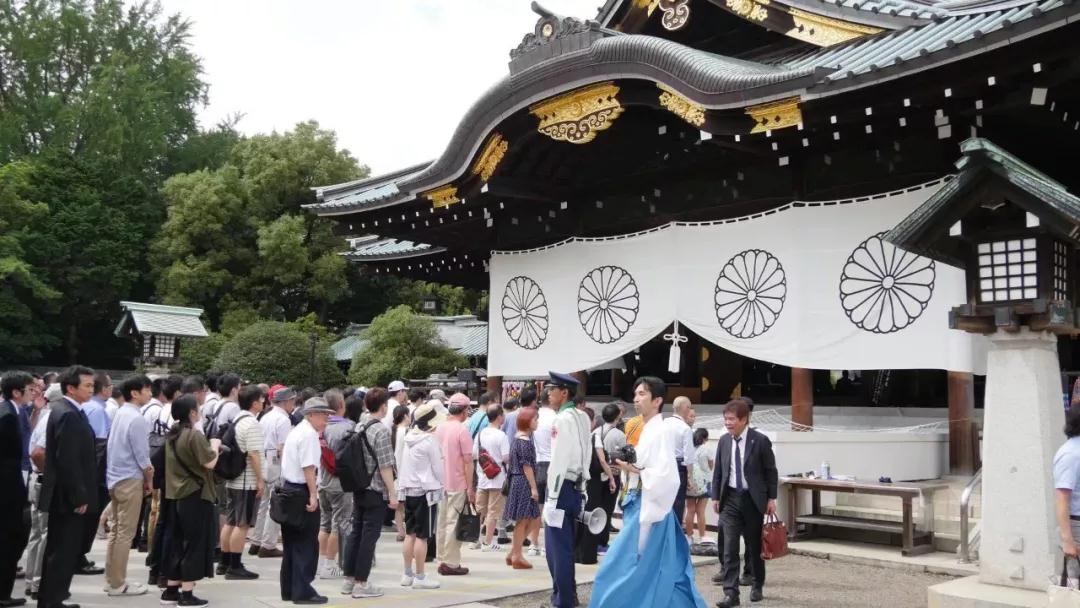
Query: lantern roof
(988, 177)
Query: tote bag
(774, 536)
(1065, 593)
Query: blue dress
(662, 577)
(519, 502)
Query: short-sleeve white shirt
(37, 436)
(498, 445)
(276, 426)
(545, 419)
(301, 450)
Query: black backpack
(231, 461)
(210, 426)
(351, 460)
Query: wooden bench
(912, 540)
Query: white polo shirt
(276, 426)
(545, 419)
(301, 450)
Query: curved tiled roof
(390, 249)
(958, 29)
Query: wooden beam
(802, 397)
(962, 449)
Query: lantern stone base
(1022, 430)
(969, 592)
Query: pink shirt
(456, 444)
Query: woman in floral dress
(522, 500)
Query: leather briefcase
(774, 537)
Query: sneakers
(348, 586)
(476, 546)
(127, 589)
(406, 580)
(425, 583)
(170, 596)
(330, 572)
(493, 547)
(533, 552)
(363, 590)
(189, 599)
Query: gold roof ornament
(681, 106)
(490, 158)
(443, 196)
(749, 9)
(576, 117)
(775, 115)
(826, 31)
(676, 14)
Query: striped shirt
(249, 437)
(378, 437)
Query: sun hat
(429, 415)
(317, 405)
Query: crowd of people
(191, 471)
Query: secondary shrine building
(719, 174)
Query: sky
(391, 77)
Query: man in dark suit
(744, 490)
(68, 491)
(13, 529)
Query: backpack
(350, 460)
(211, 429)
(329, 459)
(487, 463)
(231, 462)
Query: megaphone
(595, 520)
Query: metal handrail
(965, 504)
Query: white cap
(395, 386)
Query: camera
(627, 454)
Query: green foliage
(401, 343)
(236, 235)
(273, 352)
(197, 356)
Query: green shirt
(185, 466)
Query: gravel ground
(801, 582)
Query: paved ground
(794, 581)
(802, 582)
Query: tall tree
(94, 98)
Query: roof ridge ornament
(576, 117)
(555, 35)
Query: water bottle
(825, 472)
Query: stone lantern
(1015, 232)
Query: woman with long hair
(397, 441)
(190, 485)
(522, 500)
(697, 493)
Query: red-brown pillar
(961, 424)
(494, 384)
(802, 398)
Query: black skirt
(193, 537)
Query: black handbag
(467, 529)
(287, 506)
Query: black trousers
(14, 532)
(369, 510)
(92, 519)
(608, 500)
(740, 518)
(301, 549)
(61, 556)
(679, 506)
(163, 536)
(748, 566)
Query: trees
(275, 352)
(401, 343)
(236, 237)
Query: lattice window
(164, 347)
(147, 346)
(1008, 270)
(1061, 271)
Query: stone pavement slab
(938, 562)
(489, 579)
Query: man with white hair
(681, 437)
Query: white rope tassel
(675, 354)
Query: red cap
(274, 389)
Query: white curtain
(807, 285)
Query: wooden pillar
(962, 444)
(802, 397)
(617, 383)
(494, 384)
(583, 387)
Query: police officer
(567, 475)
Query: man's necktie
(738, 465)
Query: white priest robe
(659, 476)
